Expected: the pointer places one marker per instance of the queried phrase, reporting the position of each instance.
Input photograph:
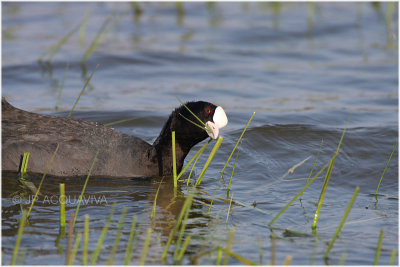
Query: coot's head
(188, 127)
(187, 133)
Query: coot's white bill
(220, 121)
(220, 118)
(214, 130)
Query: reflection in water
(169, 204)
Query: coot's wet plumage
(120, 155)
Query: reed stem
(19, 236)
(378, 249)
(349, 206)
(212, 154)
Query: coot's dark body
(120, 155)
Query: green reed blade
(117, 237)
(84, 186)
(198, 153)
(191, 112)
(24, 164)
(19, 236)
(70, 237)
(21, 257)
(119, 121)
(130, 242)
(41, 181)
(260, 249)
(85, 240)
(102, 33)
(184, 247)
(228, 246)
(198, 125)
(242, 259)
(62, 208)
(233, 169)
(62, 86)
(387, 163)
(102, 236)
(82, 28)
(75, 248)
(349, 206)
(174, 160)
(83, 90)
(273, 249)
(212, 154)
(229, 209)
(52, 51)
(389, 12)
(287, 260)
(343, 258)
(378, 249)
(145, 247)
(219, 256)
(182, 230)
(237, 143)
(299, 194)
(186, 204)
(315, 162)
(393, 257)
(153, 212)
(326, 181)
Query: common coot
(120, 155)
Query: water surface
(304, 75)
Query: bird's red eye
(208, 110)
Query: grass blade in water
(117, 237)
(84, 186)
(51, 52)
(237, 143)
(24, 164)
(342, 221)
(228, 246)
(183, 226)
(85, 240)
(233, 169)
(378, 249)
(83, 90)
(326, 182)
(62, 210)
(19, 236)
(75, 248)
(229, 209)
(145, 247)
(41, 182)
(174, 160)
(130, 242)
(379, 184)
(187, 203)
(184, 246)
(62, 86)
(298, 194)
(198, 153)
(102, 236)
(212, 154)
(393, 257)
(238, 257)
(153, 212)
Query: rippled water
(304, 75)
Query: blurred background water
(305, 69)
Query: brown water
(303, 76)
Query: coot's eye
(208, 110)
